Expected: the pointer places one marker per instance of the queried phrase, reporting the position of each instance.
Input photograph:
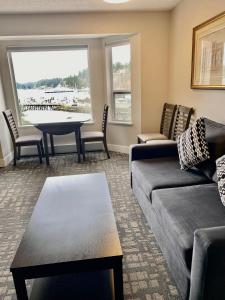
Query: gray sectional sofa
(184, 210)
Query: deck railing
(26, 107)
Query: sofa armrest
(208, 264)
(146, 151)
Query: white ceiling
(51, 6)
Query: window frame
(109, 80)
(46, 48)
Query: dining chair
(166, 125)
(92, 136)
(20, 141)
(181, 121)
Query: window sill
(120, 123)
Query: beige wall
(153, 28)
(4, 136)
(185, 16)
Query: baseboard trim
(64, 149)
(71, 148)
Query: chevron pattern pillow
(220, 171)
(192, 145)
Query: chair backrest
(11, 124)
(167, 120)
(182, 120)
(104, 119)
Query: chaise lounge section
(185, 212)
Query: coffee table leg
(46, 147)
(118, 281)
(20, 286)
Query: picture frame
(208, 54)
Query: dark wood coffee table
(72, 230)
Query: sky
(121, 54)
(35, 65)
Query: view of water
(34, 102)
(58, 95)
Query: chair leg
(39, 152)
(19, 152)
(83, 150)
(15, 155)
(52, 145)
(42, 148)
(106, 148)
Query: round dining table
(58, 123)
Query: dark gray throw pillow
(192, 145)
(220, 170)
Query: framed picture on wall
(208, 54)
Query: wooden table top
(73, 221)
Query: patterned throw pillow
(192, 145)
(220, 171)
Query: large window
(51, 80)
(119, 65)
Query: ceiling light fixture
(116, 1)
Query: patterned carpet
(145, 271)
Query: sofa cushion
(215, 137)
(158, 173)
(183, 210)
(192, 145)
